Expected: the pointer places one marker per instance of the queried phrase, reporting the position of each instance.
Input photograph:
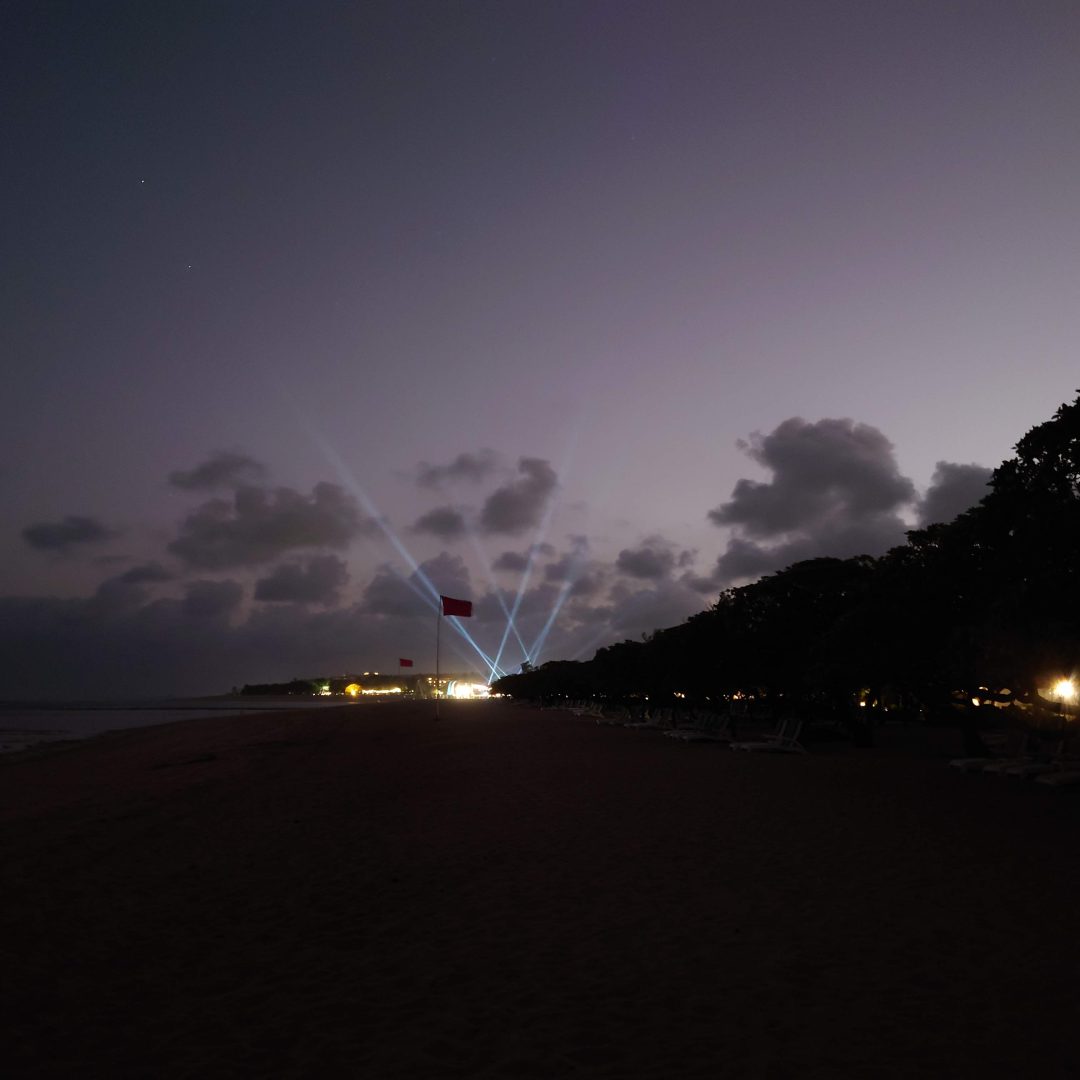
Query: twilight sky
(590, 308)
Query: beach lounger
(653, 720)
(1060, 780)
(1030, 769)
(618, 716)
(997, 743)
(784, 740)
(711, 727)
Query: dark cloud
(471, 467)
(316, 581)
(588, 583)
(118, 644)
(571, 563)
(62, 536)
(953, 489)
(258, 525)
(449, 574)
(444, 522)
(654, 559)
(212, 599)
(225, 469)
(389, 593)
(519, 505)
(835, 490)
(834, 469)
(115, 597)
(704, 584)
(636, 611)
(630, 610)
(145, 574)
(747, 558)
(536, 604)
(511, 560)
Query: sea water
(24, 724)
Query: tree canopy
(989, 599)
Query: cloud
(449, 574)
(212, 599)
(835, 490)
(316, 581)
(471, 467)
(655, 558)
(62, 536)
(953, 489)
(117, 643)
(511, 560)
(444, 522)
(145, 574)
(225, 469)
(519, 505)
(389, 593)
(821, 472)
(635, 611)
(579, 574)
(518, 561)
(258, 525)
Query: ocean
(24, 724)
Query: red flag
(450, 606)
(404, 663)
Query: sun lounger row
(1056, 770)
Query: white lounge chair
(997, 743)
(711, 727)
(1060, 779)
(784, 740)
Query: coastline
(511, 892)
(25, 724)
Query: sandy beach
(511, 892)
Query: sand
(514, 893)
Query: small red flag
(404, 663)
(450, 606)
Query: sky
(582, 311)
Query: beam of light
(432, 599)
(541, 532)
(573, 573)
(485, 562)
(453, 620)
(541, 638)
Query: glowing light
(352, 689)
(458, 689)
(1065, 690)
(381, 690)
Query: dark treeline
(990, 600)
(283, 689)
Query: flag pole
(438, 626)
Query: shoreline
(25, 725)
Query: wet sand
(519, 893)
